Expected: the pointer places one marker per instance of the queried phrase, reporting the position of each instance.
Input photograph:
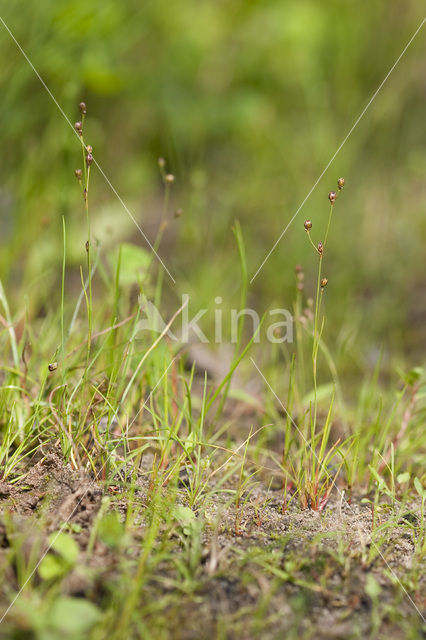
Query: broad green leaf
(403, 477)
(65, 545)
(73, 617)
(52, 567)
(55, 565)
(185, 517)
(414, 375)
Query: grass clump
(142, 498)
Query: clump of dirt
(54, 493)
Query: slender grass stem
(89, 266)
(63, 301)
(317, 337)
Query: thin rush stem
(330, 215)
(317, 336)
(89, 265)
(311, 241)
(86, 169)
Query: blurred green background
(247, 101)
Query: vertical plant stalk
(87, 157)
(88, 251)
(243, 301)
(318, 327)
(317, 338)
(10, 327)
(168, 181)
(299, 339)
(63, 299)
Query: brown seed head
(79, 127)
(299, 268)
(320, 248)
(78, 174)
(89, 159)
(178, 213)
(341, 183)
(169, 178)
(332, 197)
(324, 282)
(308, 225)
(52, 366)
(89, 148)
(82, 106)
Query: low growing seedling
(61, 558)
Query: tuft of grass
(151, 492)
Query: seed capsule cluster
(332, 196)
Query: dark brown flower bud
(87, 246)
(169, 178)
(89, 148)
(332, 197)
(79, 127)
(89, 159)
(52, 366)
(78, 174)
(178, 213)
(341, 183)
(320, 248)
(308, 225)
(324, 282)
(82, 106)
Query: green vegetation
(151, 488)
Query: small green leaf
(414, 375)
(66, 546)
(73, 617)
(52, 567)
(403, 477)
(190, 442)
(55, 565)
(381, 483)
(185, 517)
(419, 488)
(372, 587)
(111, 530)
